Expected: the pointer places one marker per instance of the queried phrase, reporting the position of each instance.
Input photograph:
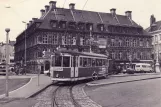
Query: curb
(39, 91)
(132, 75)
(126, 81)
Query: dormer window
(81, 26)
(62, 24)
(71, 25)
(53, 23)
(100, 27)
(89, 26)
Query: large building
(110, 33)
(155, 30)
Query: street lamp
(90, 39)
(7, 60)
(25, 45)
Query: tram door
(74, 66)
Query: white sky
(25, 10)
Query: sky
(25, 10)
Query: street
(144, 93)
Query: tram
(73, 66)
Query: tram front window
(66, 61)
(58, 60)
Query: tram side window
(98, 62)
(103, 62)
(93, 62)
(66, 61)
(81, 61)
(84, 62)
(58, 60)
(89, 62)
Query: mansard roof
(86, 17)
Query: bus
(73, 66)
(143, 68)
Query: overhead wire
(85, 4)
(64, 3)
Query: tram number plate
(57, 69)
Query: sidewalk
(31, 87)
(122, 78)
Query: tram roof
(81, 53)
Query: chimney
(52, 4)
(113, 11)
(33, 19)
(46, 8)
(71, 6)
(27, 25)
(30, 22)
(42, 12)
(152, 20)
(128, 14)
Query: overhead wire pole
(25, 46)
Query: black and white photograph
(80, 53)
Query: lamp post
(25, 45)
(90, 39)
(7, 60)
(157, 58)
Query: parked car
(128, 71)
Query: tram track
(63, 97)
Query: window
(73, 40)
(147, 43)
(81, 26)
(127, 42)
(66, 40)
(82, 40)
(84, 62)
(134, 42)
(55, 39)
(58, 60)
(120, 55)
(81, 61)
(113, 55)
(141, 42)
(53, 23)
(120, 42)
(89, 62)
(72, 25)
(93, 62)
(66, 61)
(89, 27)
(45, 39)
(112, 42)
